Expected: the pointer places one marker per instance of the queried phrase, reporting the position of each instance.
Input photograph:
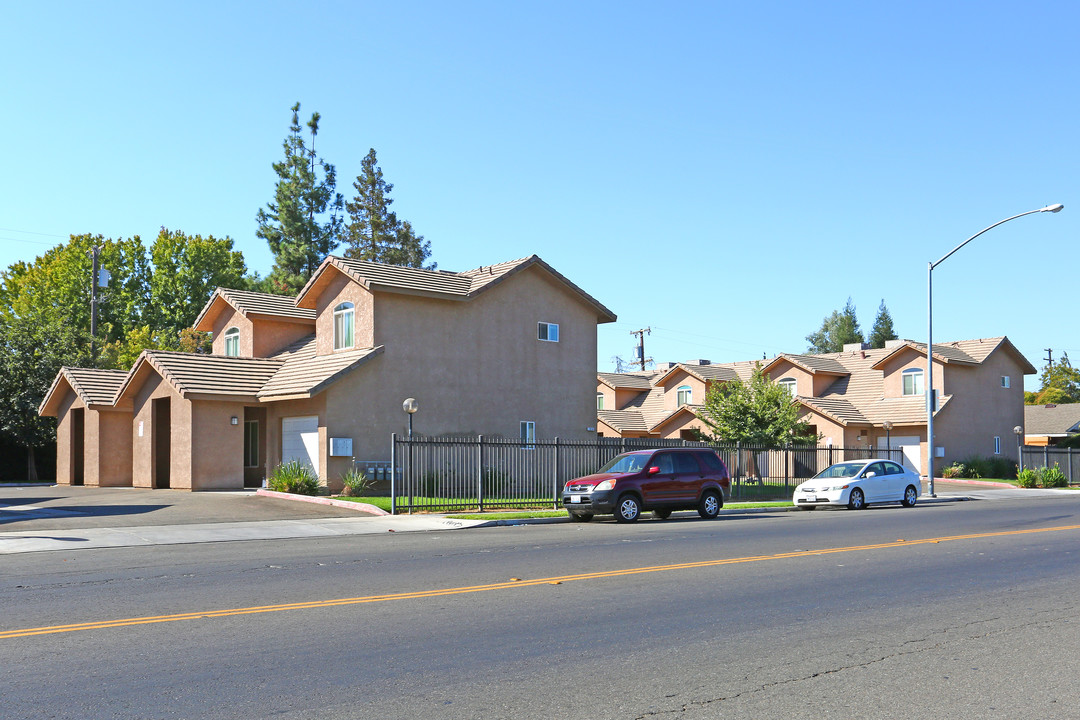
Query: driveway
(59, 507)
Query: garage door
(300, 440)
(911, 448)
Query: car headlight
(604, 485)
(837, 487)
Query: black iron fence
(1066, 459)
(455, 473)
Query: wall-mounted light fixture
(234, 420)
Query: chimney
(855, 347)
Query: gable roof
(634, 381)
(249, 303)
(813, 364)
(303, 374)
(206, 375)
(704, 373)
(93, 386)
(1052, 420)
(434, 283)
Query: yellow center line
(420, 594)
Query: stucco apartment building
(847, 397)
(503, 349)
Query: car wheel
(628, 509)
(911, 496)
(710, 505)
(580, 517)
(661, 514)
(856, 501)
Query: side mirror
(653, 470)
(870, 474)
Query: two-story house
(320, 378)
(856, 398)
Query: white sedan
(858, 483)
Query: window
(548, 332)
(528, 435)
(232, 342)
(997, 444)
(892, 468)
(789, 384)
(1006, 381)
(913, 381)
(343, 326)
(599, 401)
(684, 395)
(251, 443)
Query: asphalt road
(960, 610)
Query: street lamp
(410, 406)
(1019, 432)
(888, 438)
(930, 399)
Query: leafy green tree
(757, 412)
(374, 232)
(187, 269)
(33, 348)
(1059, 384)
(303, 222)
(837, 330)
(883, 328)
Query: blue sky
(725, 173)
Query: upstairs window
(1006, 381)
(788, 384)
(343, 326)
(548, 332)
(684, 395)
(232, 342)
(528, 435)
(599, 401)
(913, 381)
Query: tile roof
(303, 374)
(196, 373)
(1052, 419)
(637, 381)
(93, 386)
(255, 303)
(813, 364)
(453, 285)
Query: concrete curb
(22, 484)
(980, 483)
(359, 506)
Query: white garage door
(911, 448)
(300, 440)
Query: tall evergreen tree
(374, 232)
(883, 328)
(295, 225)
(837, 330)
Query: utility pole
(94, 250)
(640, 334)
(1049, 357)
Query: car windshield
(841, 470)
(625, 464)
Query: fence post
(1046, 457)
(555, 477)
(409, 474)
(787, 459)
(393, 473)
(1070, 467)
(480, 473)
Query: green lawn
(508, 512)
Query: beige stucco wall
(980, 409)
(216, 446)
(259, 336)
(893, 373)
(341, 289)
(236, 319)
(623, 396)
(150, 389)
(674, 381)
(804, 381)
(111, 448)
(64, 470)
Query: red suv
(657, 480)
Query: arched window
(913, 381)
(232, 342)
(790, 385)
(684, 395)
(343, 326)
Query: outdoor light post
(1019, 432)
(410, 406)
(888, 438)
(930, 400)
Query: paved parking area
(58, 507)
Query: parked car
(858, 483)
(657, 480)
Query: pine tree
(294, 224)
(374, 233)
(883, 328)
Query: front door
(161, 429)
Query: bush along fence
(455, 473)
(1067, 460)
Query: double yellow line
(511, 584)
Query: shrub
(1001, 467)
(1027, 478)
(1053, 477)
(355, 483)
(294, 477)
(956, 470)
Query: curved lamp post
(930, 399)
